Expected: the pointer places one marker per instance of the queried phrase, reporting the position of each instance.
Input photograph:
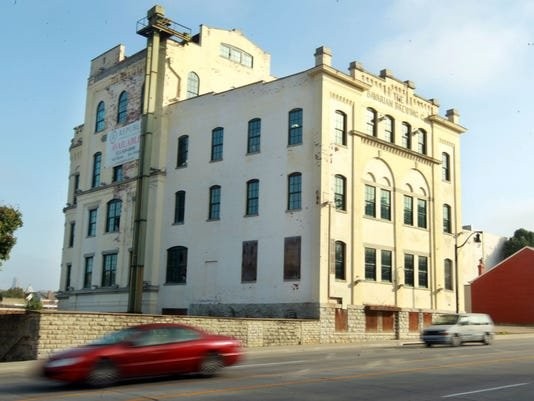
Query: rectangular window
(109, 271)
(71, 234)
(447, 223)
(249, 262)
(295, 127)
(385, 204)
(386, 260)
(421, 213)
(389, 129)
(91, 226)
(176, 265)
(76, 188)
(253, 197)
(88, 272)
(292, 258)
(97, 167)
(179, 207)
(370, 201)
(68, 277)
(370, 264)
(215, 203)
(294, 191)
(371, 120)
(423, 271)
(445, 167)
(118, 174)
(408, 210)
(217, 136)
(408, 270)
(448, 275)
(421, 143)
(406, 136)
(254, 136)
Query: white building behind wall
(268, 197)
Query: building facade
(277, 197)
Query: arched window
(183, 148)
(193, 84)
(340, 128)
(295, 127)
(340, 260)
(215, 203)
(113, 217)
(370, 121)
(421, 143)
(122, 109)
(406, 135)
(97, 167)
(217, 138)
(100, 124)
(253, 197)
(254, 135)
(340, 191)
(294, 191)
(176, 265)
(389, 129)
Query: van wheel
(428, 345)
(488, 339)
(456, 341)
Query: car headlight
(58, 363)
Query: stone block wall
(37, 334)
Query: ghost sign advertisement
(123, 144)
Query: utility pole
(156, 28)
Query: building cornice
(434, 118)
(333, 73)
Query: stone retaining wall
(37, 334)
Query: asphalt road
(387, 371)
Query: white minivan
(458, 328)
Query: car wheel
(456, 341)
(211, 364)
(104, 373)
(428, 345)
(488, 339)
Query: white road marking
(484, 390)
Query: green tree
(10, 221)
(15, 292)
(521, 239)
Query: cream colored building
(283, 197)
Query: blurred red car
(146, 350)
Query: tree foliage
(15, 292)
(10, 221)
(521, 239)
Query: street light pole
(456, 267)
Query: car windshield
(116, 337)
(445, 319)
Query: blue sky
(473, 55)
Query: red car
(146, 350)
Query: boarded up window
(371, 321)
(249, 266)
(413, 321)
(342, 320)
(388, 321)
(292, 258)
